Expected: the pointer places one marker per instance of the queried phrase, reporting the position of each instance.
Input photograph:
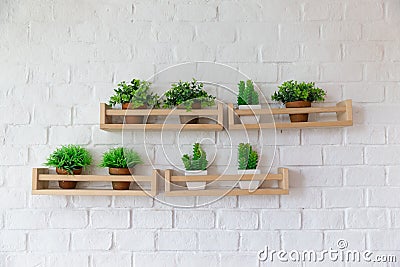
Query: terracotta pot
(120, 171)
(68, 184)
(133, 119)
(186, 119)
(298, 104)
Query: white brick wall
(59, 60)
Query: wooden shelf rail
(106, 114)
(343, 110)
(41, 179)
(282, 177)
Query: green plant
(247, 157)
(186, 93)
(247, 94)
(198, 162)
(124, 92)
(120, 158)
(291, 91)
(142, 96)
(69, 158)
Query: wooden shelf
(282, 178)
(107, 113)
(343, 110)
(41, 179)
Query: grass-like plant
(69, 158)
(247, 94)
(136, 92)
(291, 91)
(120, 158)
(197, 162)
(247, 157)
(187, 93)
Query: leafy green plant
(187, 93)
(69, 158)
(247, 157)
(136, 92)
(120, 158)
(291, 91)
(197, 162)
(247, 94)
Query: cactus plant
(197, 162)
(247, 157)
(247, 94)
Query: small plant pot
(120, 171)
(249, 185)
(196, 185)
(187, 119)
(68, 184)
(133, 119)
(253, 119)
(298, 104)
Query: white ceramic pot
(196, 185)
(249, 185)
(253, 119)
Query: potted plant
(120, 161)
(195, 165)
(248, 99)
(247, 164)
(69, 160)
(188, 95)
(298, 95)
(135, 95)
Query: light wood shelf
(343, 110)
(282, 177)
(41, 179)
(106, 114)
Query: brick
(267, 32)
(380, 31)
(316, 177)
(297, 156)
(256, 240)
(194, 219)
(364, 93)
(323, 51)
(323, 10)
(282, 53)
(67, 219)
(177, 240)
(302, 240)
(12, 198)
(278, 219)
(337, 31)
(123, 240)
(343, 155)
(60, 135)
(237, 53)
(160, 259)
(74, 259)
(382, 155)
(343, 72)
(392, 175)
(239, 11)
(91, 201)
(365, 176)
(261, 202)
(52, 115)
(384, 240)
(299, 31)
(25, 219)
(238, 260)
(112, 259)
(128, 202)
(48, 240)
(196, 12)
(281, 10)
(364, 10)
(393, 135)
(302, 198)
(110, 219)
(299, 71)
(26, 135)
(366, 218)
(280, 138)
(383, 197)
(13, 155)
(355, 239)
(343, 198)
(217, 202)
(260, 72)
(91, 240)
(363, 52)
(30, 259)
(196, 259)
(12, 241)
(218, 240)
(321, 136)
(152, 219)
(174, 31)
(236, 220)
(332, 219)
(48, 201)
(385, 71)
